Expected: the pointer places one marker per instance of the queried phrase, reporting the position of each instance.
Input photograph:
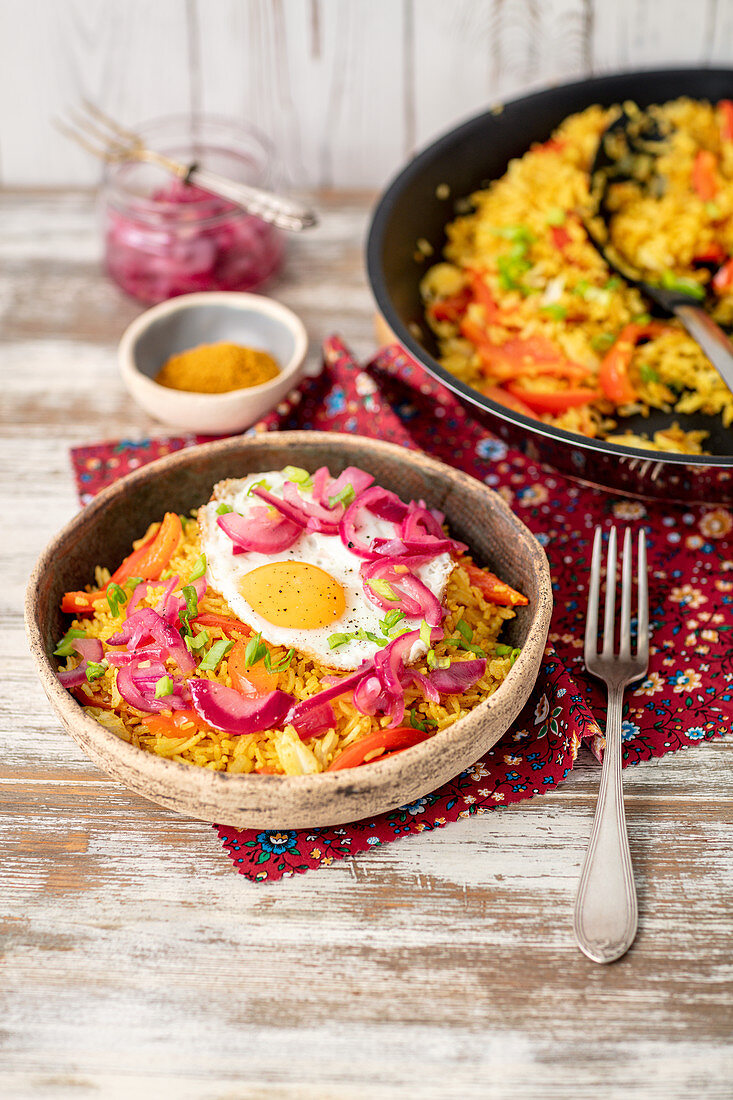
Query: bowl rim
(375, 238)
(365, 779)
(245, 302)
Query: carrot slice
(255, 680)
(614, 373)
(557, 401)
(494, 590)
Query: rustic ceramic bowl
(103, 532)
(193, 319)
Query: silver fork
(101, 136)
(605, 908)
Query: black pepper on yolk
(294, 594)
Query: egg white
(225, 571)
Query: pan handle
(711, 338)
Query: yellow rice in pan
(558, 286)
(282, 751)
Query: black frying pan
(468, 158)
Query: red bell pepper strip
(552, 145)
(508, 400)
(147, 562)
(714, 253)
(725, 106)
(723, 278)
(390, 740)
(555, 402)
(614, 373)
(451, 308)
(560, 236)
(226, 623)
(483, 296)
(703, 175)
(494, 590)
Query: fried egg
(300, 597)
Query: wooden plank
(639, 35)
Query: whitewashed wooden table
(136, 962)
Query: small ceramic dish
(103, 532)
(192, 319)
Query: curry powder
(217, 368)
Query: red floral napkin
(688, 694)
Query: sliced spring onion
(345, 497)
(555, 216)
(199, 568)
(191, 610)
(215, 655)
(425, 634)
(285, 663)
(670, 281)
(336, 640)
(602, 341)
(517, 233)
(390, 620)
(224, 509)
(384, 589)
(432, 659)
(255, 651)
(66, 644)
(96, 669)
(647, 373)
(163, 687)
(417, 724)
(641, 319)
(115, 597)
(555, 310)
(298, 475)
(132, 582)
(262, 484)
(464, 630)
(502, 650)
(195, 643)
(515, 654)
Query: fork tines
(99, 134)
(592, 655)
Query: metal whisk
(101, 136)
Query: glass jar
(164, 237)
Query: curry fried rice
(283, 751)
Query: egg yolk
(294, 594)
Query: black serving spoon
(627, 150)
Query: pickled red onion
(415, 599)
(228, 710)
(259, 532)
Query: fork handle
(605, 908)
(283, 212)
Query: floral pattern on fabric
(687, 696)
